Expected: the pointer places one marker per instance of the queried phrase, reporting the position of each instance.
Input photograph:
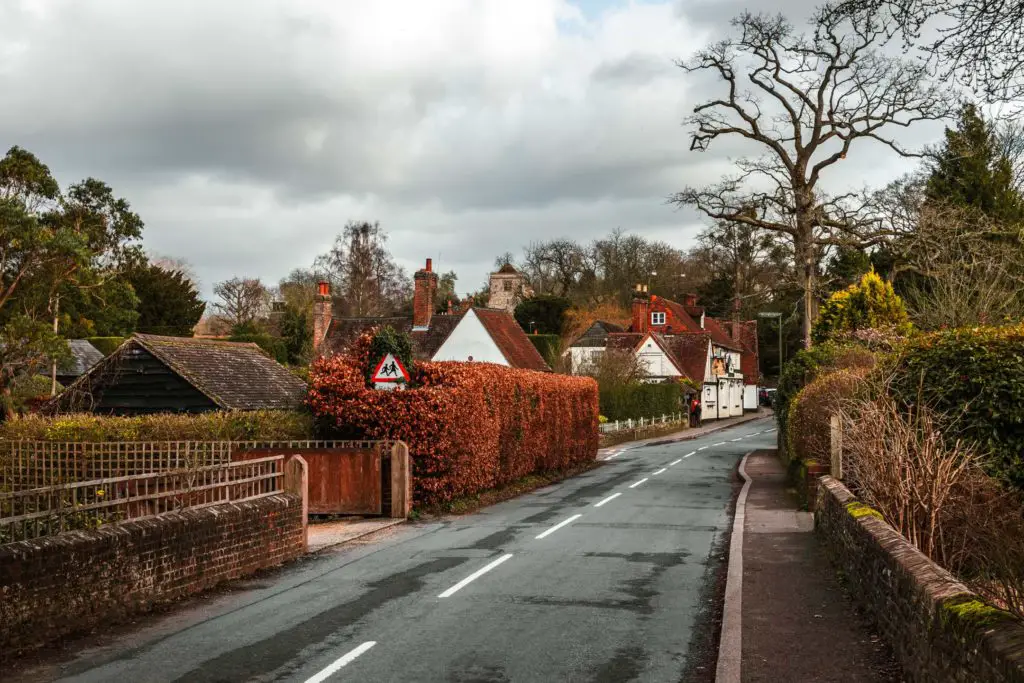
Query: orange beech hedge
(469, 426)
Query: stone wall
(80, 581)
(939, 630)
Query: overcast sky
(247, 132)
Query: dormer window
(657, 318)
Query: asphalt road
(598, 578)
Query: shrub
(808, 429)
(386, 341)
(808, 364)
(549, 346)
(260, 425)
(106, 345)
(974, 379)
(869, 304)
(633, 401)
(469, 426)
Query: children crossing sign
(390, 373)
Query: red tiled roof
(625, 340)
(749, 360)
(342, 332)
(680, 314)
(510, 339)
(720, 336)
(690, 353)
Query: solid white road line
(720, 443)
(675, 462)
(634, 485)
(731, 640)
(474, 576)
(557, 527)
(338, 663)
(659, 471)
(608, 499)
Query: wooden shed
(154, 374)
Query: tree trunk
(807, 272)
(7, 403)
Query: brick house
(471, 333)
(681, 341)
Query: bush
(808, 364)
(544, 313)
(974, 379)
(260, 425)
(633, 401)
(549, 346)
(469, 426)
(808, 429)
(869, 304)
(106, 345)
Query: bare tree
(175, 264)
(979, 42)
(242, 300)
(810, 98)
(362, 270)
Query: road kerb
(730, 645)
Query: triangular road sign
(390, 369)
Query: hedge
(106, 345)
(469, 426)
(808, 428)
(273, 346)
(633, 401)
(549, 346)
(260, 425)
(974, 378)
(808, 364)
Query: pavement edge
(730, 644)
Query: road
(603, 577)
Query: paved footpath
(602, 577)
(797, 624)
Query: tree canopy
(168, 301)
(868, 305)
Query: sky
(246, 133)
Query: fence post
(401, 481)
(837, 447)
(296, 482)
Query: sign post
(390, 374)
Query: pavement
(796, 622)
(608, 576)
(323, 535)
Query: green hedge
(549, 346)
(633, 401)
(260, 425)
(106, 345)
(975, 379)
(809, 364)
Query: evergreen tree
(869, 304)
(168, 301)
(970, 170)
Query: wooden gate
(345, 478)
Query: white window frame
(658, 318)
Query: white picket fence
(627, 425)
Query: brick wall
(938, 629)
(79, 581)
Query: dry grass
(937, 495)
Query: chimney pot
(324, 288)
(430, 265)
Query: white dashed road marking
(634, 485)
(557, 527)
(607, 500)
(340, 662)
(480, 572)
(690, 453)
(659, 471)
(675, 462)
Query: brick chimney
(425, 282)
(322, 314)
(641, 306)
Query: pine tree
(969, 170)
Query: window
(657, 318)
(508, 284)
